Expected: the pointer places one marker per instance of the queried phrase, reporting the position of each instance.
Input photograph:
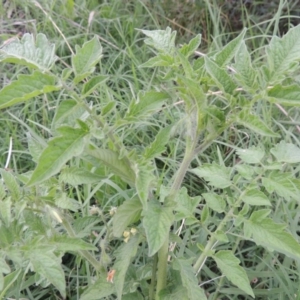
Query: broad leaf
(77, 176)
(218, 176)
(285, 95)
(283, 184)
(86, 57)
(189, 49)
(252, 155)
(99, 290)
(128, 213)
(158, 145)
(93, 84)
(220, 76)
(245, 170)
(65, 202)
(67, 113)
(189, 280)
(4, 267)
(27, 87)
(60, 149)
(146, 104)
(161, 60)
(67, 244)
(245, 74)
(256, 197)
(286, 153)
(157, 222)
(162, 40)
(47, 265)
(143, 179)
(6, 212)
(271, 235)
(229, 266)
(11, 184)
(37, 54)
(252, 122)
(227, 53)
(124, 255)
(215, 202)
(119, 166)
(177, 292)
(186, 206)
(283, 52)
(83, 226)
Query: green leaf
(215, 202)
(286, 153)
(99, 290)
(119, 166)
(245, 74)
(128, 213)
(36, 145)
(189, 280)
(285, 95)
(27, 87)
(283, 52)
(245, 171)
(205, 214)
(11, 184)
(64, 202)
(83, 226)
(186, 206)
(229, 266)
(189, 49)
(67, 113)
(67, 244)
(4, 267)
(147, 104)
(124, 256)
(252, 122)
(162, 40)
(47, 265)
(6, 212)
(271, 235)
(9, 280)
(157, 222)
(220, 76)
(256, 197)
(37, 54)
(93, 84)
(158, 145)
(218, 176)
(223, 57)
(76, 176)
(176, 293)
(143, 179)
(86, 57)
(60, 149)
(283, 184)
(252, 155)
(161, 60)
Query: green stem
(153, 278)
(162, 268)
(163, 251)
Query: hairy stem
(163, 251)
(153, 278)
